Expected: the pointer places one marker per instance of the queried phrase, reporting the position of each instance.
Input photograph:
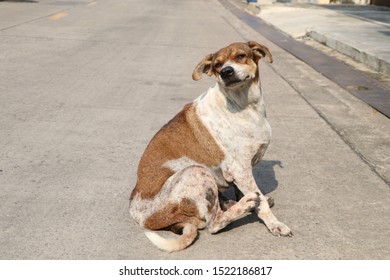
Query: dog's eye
(241, 56)
(218, 65)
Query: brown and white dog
(211, 144)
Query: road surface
(84, 85)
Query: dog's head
(233, 65)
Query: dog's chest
(242, 134)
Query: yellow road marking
(90, 4)
(58, 16)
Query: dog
(210, 145)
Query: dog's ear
(203, 67)
(260, 51)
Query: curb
(372, 61)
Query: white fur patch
(239, 133)
(240, 71)
(166, 244)
(179, 164)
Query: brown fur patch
(184, 135)
(173, 216)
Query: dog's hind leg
(197, 185)
(220, 219)
(192, 202)
(190, 197)
(228, 203)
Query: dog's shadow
(264, 174)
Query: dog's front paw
(279, 229)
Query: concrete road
(84, 85)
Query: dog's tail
(174, 244)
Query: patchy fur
(211, 144)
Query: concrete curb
(370, 60)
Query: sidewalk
(361, 32)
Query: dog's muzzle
(227, 73)
(229, 76)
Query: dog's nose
(227, 72)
